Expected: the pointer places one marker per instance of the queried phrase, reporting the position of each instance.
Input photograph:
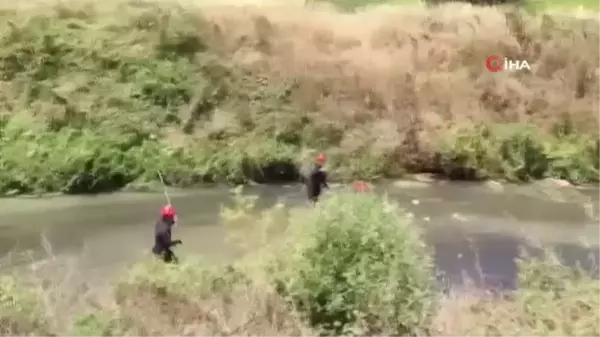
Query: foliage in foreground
(355, 265)
(80, 113)
(21, 312)
(352, 265)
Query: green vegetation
(85, 116)
(352, 5)
(537, 5)
(95, 97)
(520, 152)
(20, 311)
(352, 265)
(561, 4)
(360, 268)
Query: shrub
(557, 300)
(354, 265)
(188, 277)
(97, 324)
(518, 153)
(193, 298)
(21, 312)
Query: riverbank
(95, 97)
(355, 264)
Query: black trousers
(313, 196)
(167, 256)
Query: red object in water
(361, 186)
(321, 159)
(168, 212)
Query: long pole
(162, 181)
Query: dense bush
(356, 266)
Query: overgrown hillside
(95, 96)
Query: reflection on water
(475, 231)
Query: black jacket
(315, 181)
(162, 237)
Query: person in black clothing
(316, 179)
(162, 235)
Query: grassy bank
(353, 265)
(531, 5)
(95, 97)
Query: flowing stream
(476, 230)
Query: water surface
(475, 230)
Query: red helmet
(321, 159)
(361, 186)
(168, 212)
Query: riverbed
(476, 230)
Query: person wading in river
(316, 179)
(162, 235)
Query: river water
(476, 230)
